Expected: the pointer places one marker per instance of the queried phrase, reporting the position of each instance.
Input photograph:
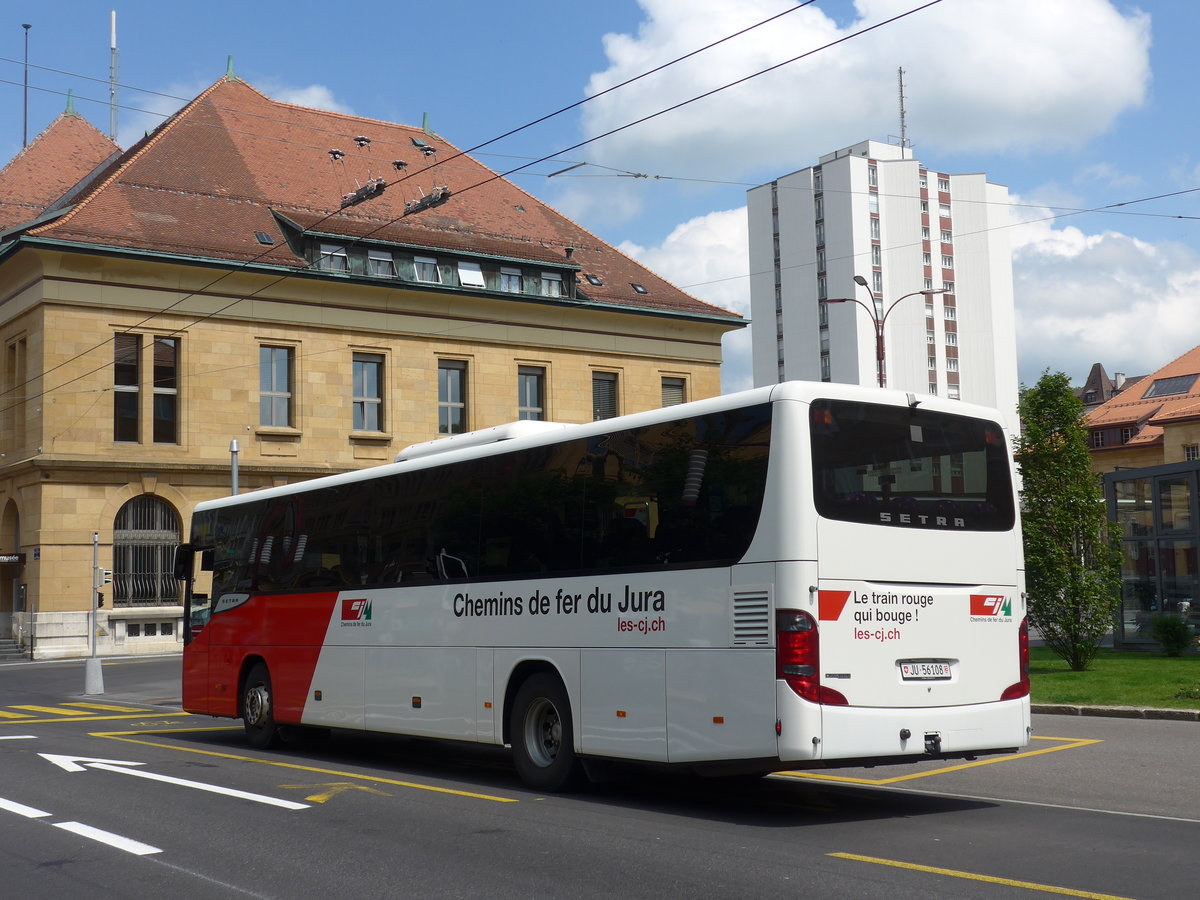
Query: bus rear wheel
(258, 709)
(542, 735)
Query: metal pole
(25, 117)
(879, 349)
(112, 82)
(93, 674)
(233, 461)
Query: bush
(1173, 633)
(1188, 693)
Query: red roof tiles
(53, 163)
(1133, 408)
(210, 177)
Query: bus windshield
(910, 468)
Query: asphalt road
(183, 807)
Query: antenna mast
(25, 107)
(903, 124)
(112, 82)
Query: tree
(1072, 555)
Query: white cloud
(1022, 75)
(707, 256)
(1104, 297)
(154, 109)
(315, 96)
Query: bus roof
(491, 435)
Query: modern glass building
(1156, 509)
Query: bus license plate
(924, 671)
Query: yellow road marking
(971, 876)
(87, 717)
(52, 710)
(1072, 744)
(335, 788)
(128, 737)
(103, 706)
(12, 715)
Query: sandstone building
(322, 289)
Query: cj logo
(356, 610)
(990, 605)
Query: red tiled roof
(209, 178)
(1132, 407)
(53, 162)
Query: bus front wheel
(543, 737)
(258, 709)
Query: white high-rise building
(874, 212)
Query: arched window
(145, 533)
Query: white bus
(799, 576)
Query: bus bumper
(808, 731)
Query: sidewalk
(1117, 712)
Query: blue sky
(1073, 104)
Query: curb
(1117, 712)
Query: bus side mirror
(184, 559)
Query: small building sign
(16, 558)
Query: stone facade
(105, 450)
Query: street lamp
(879, 320)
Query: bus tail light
(1021, 688)
(798, 657)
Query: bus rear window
(909, 468)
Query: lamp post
(879, 320)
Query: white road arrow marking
(72, 763)
(121, 767)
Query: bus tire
(258, 709)
(543, 737)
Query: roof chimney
(1119, 380)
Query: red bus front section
(284, 630)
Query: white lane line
(107, 837)
(199, 785)
(22, 810)
(1062, 806)
(18, 737)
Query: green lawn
(1118, 678)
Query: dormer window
(470, 275)
(552, 284)
(426, 269)
(510, 280)
(332, 258)
(381, 264)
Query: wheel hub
(258, 705)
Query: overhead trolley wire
(494, 177)
(330, 215)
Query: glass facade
(1155, 511)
